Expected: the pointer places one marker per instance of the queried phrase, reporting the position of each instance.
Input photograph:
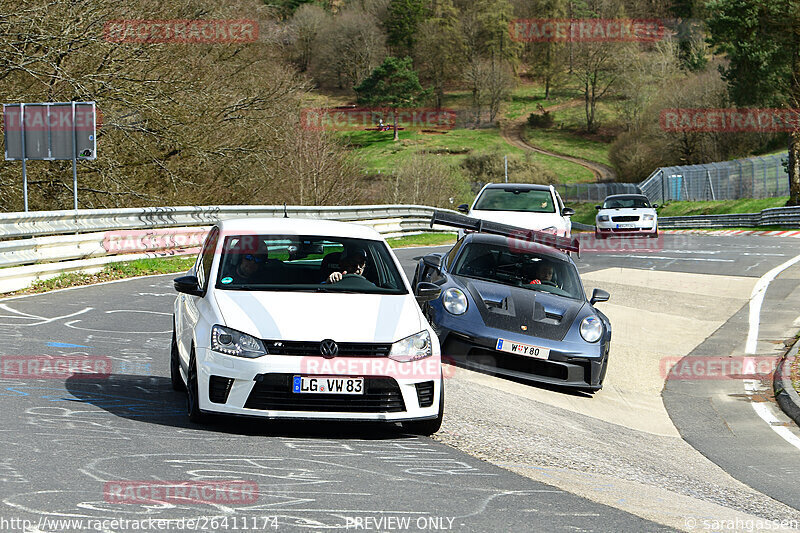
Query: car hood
(303, 316)
(534, 221)
(510, 308)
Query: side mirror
(599, 295)
(655, 206)
(425, 292)
(188, 285)
(464, 208)
(598, 207)
(433, 261)
(567, 212)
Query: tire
(175, 365)
(192, 402)
(428, 427)
(654, 235)
(598, 235)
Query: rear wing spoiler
(456, 220)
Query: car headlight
(591, 329)
(232, 342)
(602, 218)
(647, 217)
(455, 301)
(412, 348)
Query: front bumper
(262, 387)
(642, 226)
(564, 368)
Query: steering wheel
(548, 282)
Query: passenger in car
(250, 268)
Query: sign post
(50, 131)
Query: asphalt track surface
(63, 440)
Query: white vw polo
(292, 318)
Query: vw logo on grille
(328, 348)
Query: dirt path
(514, 134)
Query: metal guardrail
(42, 223)
(743, 220)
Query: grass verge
(423, 239)
(113, 271)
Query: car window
(532, 270)
(625, 203)
(207, 257)
(528, 200)
(304, 263)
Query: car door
(189, 304)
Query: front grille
(626, 218)
(219, 388)
(274, 392)
(346, 349)
(425, 393)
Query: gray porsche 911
(512, 303)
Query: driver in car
(353, 263)
(542, 273)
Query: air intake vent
(219, 388)
(425, 393)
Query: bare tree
(187, 123)
(348, 48)
(307, 22)
(491, 81)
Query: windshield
(532, 271)
(534, 201)
(625, 202)
(305, 263)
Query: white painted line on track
(672, 258)
(757, 298)
(762, 409)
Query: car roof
(297, 226)
(521, 186)
(500, 240)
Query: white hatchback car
(260, 329)
(626, 214)
(536, 207)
